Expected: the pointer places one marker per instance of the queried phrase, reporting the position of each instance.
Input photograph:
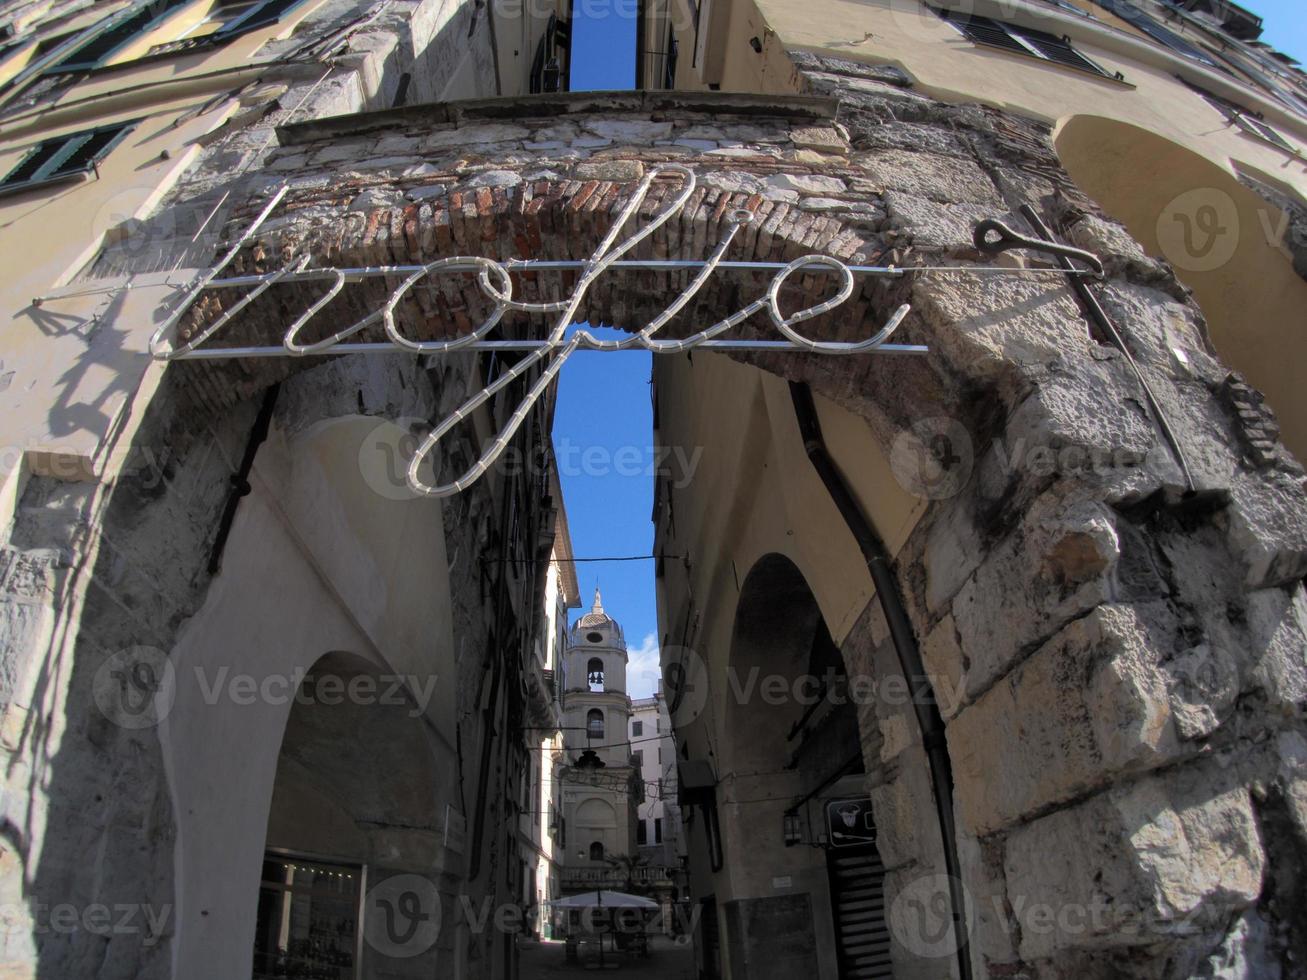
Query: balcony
(592, 879)
(542, 704)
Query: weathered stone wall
(1127, 744)
(1131, 658)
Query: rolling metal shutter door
(857, 883)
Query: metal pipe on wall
(904, 639)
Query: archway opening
(596, 830)
(352, 886)
(799, 890)
(595, 675)
(1224, 240)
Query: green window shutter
(265, 14)
(99, 49)
(65, 156)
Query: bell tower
(595, 701)
(598, 800)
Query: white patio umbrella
(603, 899)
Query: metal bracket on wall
(993, 236)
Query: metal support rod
(237, 353)
(362, 273)
(1094, 310)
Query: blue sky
(603, 45)
(603, 428)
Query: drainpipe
(924, 704)
(641, 42)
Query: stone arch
(594, 724)
(1222, 238)
(1012, 365)
(596, 823)
(314, 533)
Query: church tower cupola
(596, 628)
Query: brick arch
(564, 219)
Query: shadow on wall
(1224, 240)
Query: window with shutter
(221, 21)
(1264, 131)
(101, 48)
(1021, 40)
(64, 157)
(1246, 120)
(1058, 49)
(1132, 15)
(982, 30)
(261, 15)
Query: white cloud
(643, 668)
